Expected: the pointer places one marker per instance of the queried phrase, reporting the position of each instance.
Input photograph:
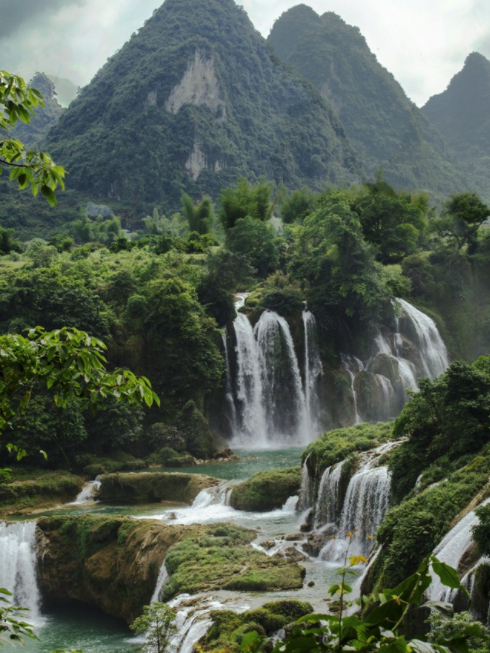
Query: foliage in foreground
(381, 626)
(157, 624)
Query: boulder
(266, 490)
(153, 487)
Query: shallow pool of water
(78, 628)
(250, 463)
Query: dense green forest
(188, 191)
(160, 296)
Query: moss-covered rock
(148, 487)
(114, 563)
(228, 627)
(111, 563)
(96, 465)
(168, 457)
(266, 490)
(223, 559)
(335, 446)
(43, 490)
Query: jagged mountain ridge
(382, 123)
(194, 100)
(462, 114)
(46, 117)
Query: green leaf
(448, 576)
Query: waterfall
(353, 366)
(432, 348)
(451, 550)
(194, 620)
(389, 372)
(282, 385)
(88, 492)
(306, 490)
(161, 581)
(230, 402)
(18, 566)
(269, 402)
(365, 505)
(253, 423)
(327, 506)
(313, 371)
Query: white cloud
(423, 44)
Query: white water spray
(313, 372)
(18, 566)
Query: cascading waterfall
(365, 505)
(269, 401)
(280, 372)
(389, 373)
(18, 566)
(253, 422)
(313, 372)
(432, 348)
(327, 506)
(306, 490)
(451, 550)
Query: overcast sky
(423, 43)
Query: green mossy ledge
(228, 627)
(46, 489)
(113, 563)
(266, 490)
(153, 487)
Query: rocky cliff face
(114, 563)
(379, 119)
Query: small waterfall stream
(432, 348)
(451, 550)
(18, 566)
(307, 489)
(361, 512)
(88, 493)
(313, 372)
(327, 508)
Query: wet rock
(311, 583)
(316, 541)
(266, 490)
(292, 554)
(149, 487)
(294, 537)
(268, 544)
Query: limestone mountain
(381, 122)
(45, 118)
(462, 114)
(194, 100)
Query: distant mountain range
(384, 126)
(462, 115)
(197, 98)
(193, 101)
